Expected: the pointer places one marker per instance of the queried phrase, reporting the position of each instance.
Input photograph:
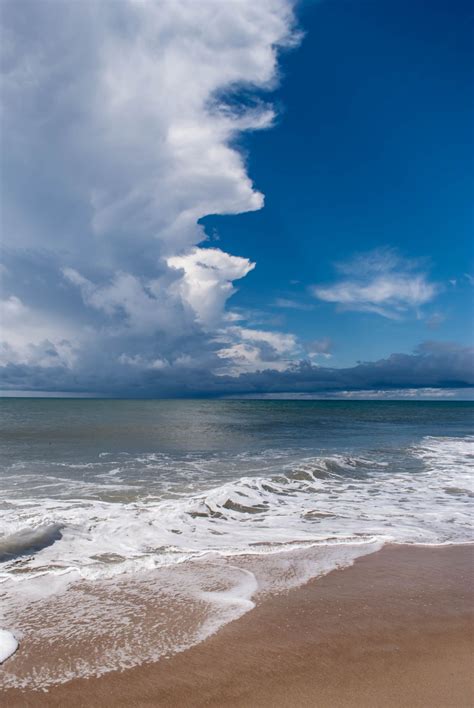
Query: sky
(237, 198)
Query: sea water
(138, 528)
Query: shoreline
(394, 629)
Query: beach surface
(395, 629)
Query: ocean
(130, 530)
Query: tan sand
(396, 629)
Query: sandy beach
(236, 354)
(395, 629)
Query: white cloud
(116, 124)
(207, 278)
(243, 357)
(415, 394)
(381, 282)
(141, 363)
(319, 347)
(30, 337)
(255, 350)
(128, 94)
(397, 394)
(288, 304)
(130, 302)
(280, 342)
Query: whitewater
(142, 554)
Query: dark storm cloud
(433, 365)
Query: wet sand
(395, 629)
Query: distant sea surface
(141, 527)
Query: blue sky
(204, 199)
(373, 148)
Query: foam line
(8, 645)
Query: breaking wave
(146, 576)
(318, 500)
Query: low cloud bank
(433, 365)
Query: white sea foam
(129, 620)
(320, 500)
(8, 645)
(210, 553)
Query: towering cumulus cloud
(119, 129)
(117, 140)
